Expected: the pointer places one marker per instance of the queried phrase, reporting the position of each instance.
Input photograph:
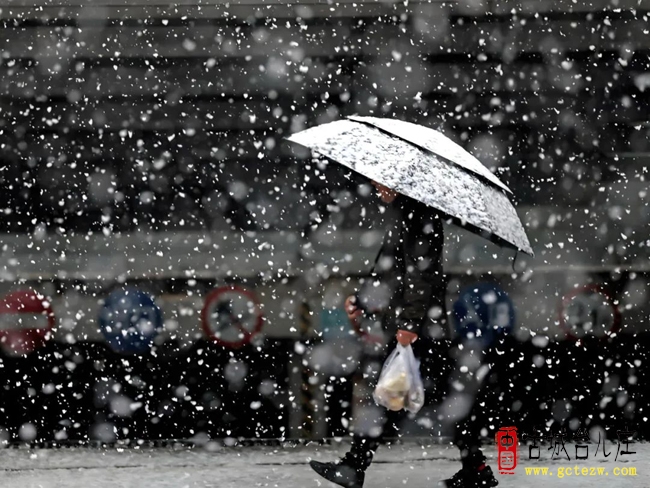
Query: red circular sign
(231, 316)
(26, 319)
(589, 310)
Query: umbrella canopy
(425, 165)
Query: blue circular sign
(130, 320)
(483, 310)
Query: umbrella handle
(357, 303)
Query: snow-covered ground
(403, 465)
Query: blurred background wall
(141, 148)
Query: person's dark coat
(411, 262)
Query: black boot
(471, 477)
(475, 472)
(342, 473)
(350, 471)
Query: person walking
(411, 261)
(423, 175)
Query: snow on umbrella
(425, 165)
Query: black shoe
(471, 478)
(342, 473)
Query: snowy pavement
(403, 465)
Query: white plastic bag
(400, 384)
